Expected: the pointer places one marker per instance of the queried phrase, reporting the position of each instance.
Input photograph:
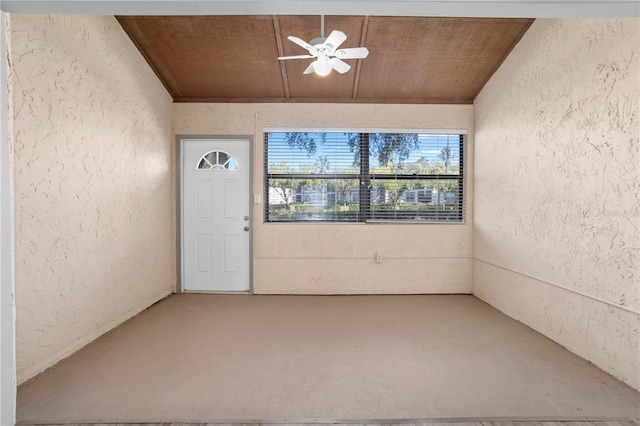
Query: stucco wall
(95, 227)
(340, 259)
(557, 188)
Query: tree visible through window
(359, 177)
(217, 160)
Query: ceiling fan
(326, 52)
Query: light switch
(257, 198)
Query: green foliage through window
(362, 177)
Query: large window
(363, 177)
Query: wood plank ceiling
(411, 59)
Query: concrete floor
(205, 358)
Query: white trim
(7, 232)
(571, 290)
(452, 8)
(180, 166)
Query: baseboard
(32, 371)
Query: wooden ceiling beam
(283, 69)
(363, 40)
(444, 101)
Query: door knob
(246, 218)
(246, 229)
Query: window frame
(365, 177)
(222, 166)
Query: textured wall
(340, 259)
(557, 188)
(93, 184)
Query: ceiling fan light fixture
(322, 68)
(325, 49)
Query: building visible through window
(363, 177)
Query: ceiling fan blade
(296, 57)
(309, 69)
(352, 53)
(335, 39)
(339, 66)
(302, 43)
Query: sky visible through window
(342, 156)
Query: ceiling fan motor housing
(317, 42)
(324, 49)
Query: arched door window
(217, 160)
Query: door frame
(180, 202)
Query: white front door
(215, 214)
